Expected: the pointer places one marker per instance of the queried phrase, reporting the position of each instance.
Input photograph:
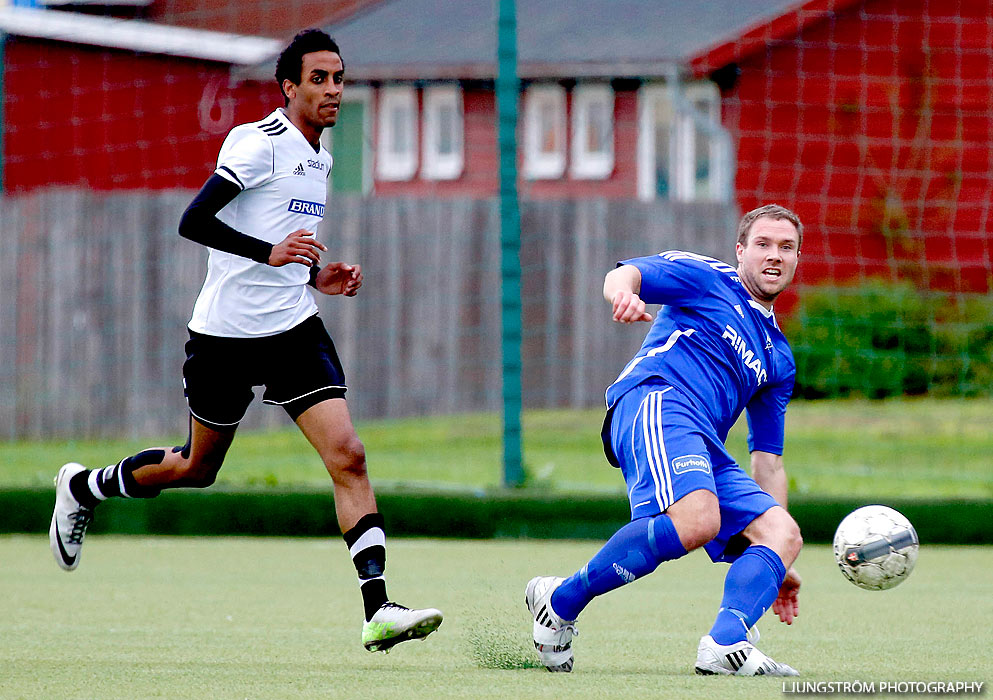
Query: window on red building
(396, 143)
(544, 132)
(442, 126)
(683, 150)
(592, 132)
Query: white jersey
(284, 186)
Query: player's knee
(777, 530)
(787, 536)
(697, 518)
(348, 459)
(700, 529)
(792, 539)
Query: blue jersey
(715, 343)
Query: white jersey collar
(768, 313)
(281, 115)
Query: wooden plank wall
(97, 289)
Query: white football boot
(739, 659)
(552, 635)
(69, 521)
(394, 623)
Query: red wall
(875, 126)
(106, 119)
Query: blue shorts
(666, 449)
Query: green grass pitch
(226, 618)
(845, 448)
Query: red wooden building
(119, 104)
(869, 117)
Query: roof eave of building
(750, 40)
(527, 70)
(136, 35)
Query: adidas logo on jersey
(273, 128)
(299, 170)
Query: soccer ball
(875, 547)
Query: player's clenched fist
(629, 308)
(298, 247)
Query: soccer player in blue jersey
(255, 323)
(714, 350)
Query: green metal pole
(507, 89)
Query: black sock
(79, 487)
(94, 485)
(367, 547)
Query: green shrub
(884, 339)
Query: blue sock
(635, 550)
(751, 586)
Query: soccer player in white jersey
(255, 324)
(714, 350)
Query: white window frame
(653, 100)
(391, 165)
(584, 163)
(358, 93)
(538, 164)
(658, 98)
(437, 165)
(706, 92)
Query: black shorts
(298, 368)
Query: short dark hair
(289, 65)
(770, 211)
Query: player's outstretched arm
(620, 288)
(338, 278)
